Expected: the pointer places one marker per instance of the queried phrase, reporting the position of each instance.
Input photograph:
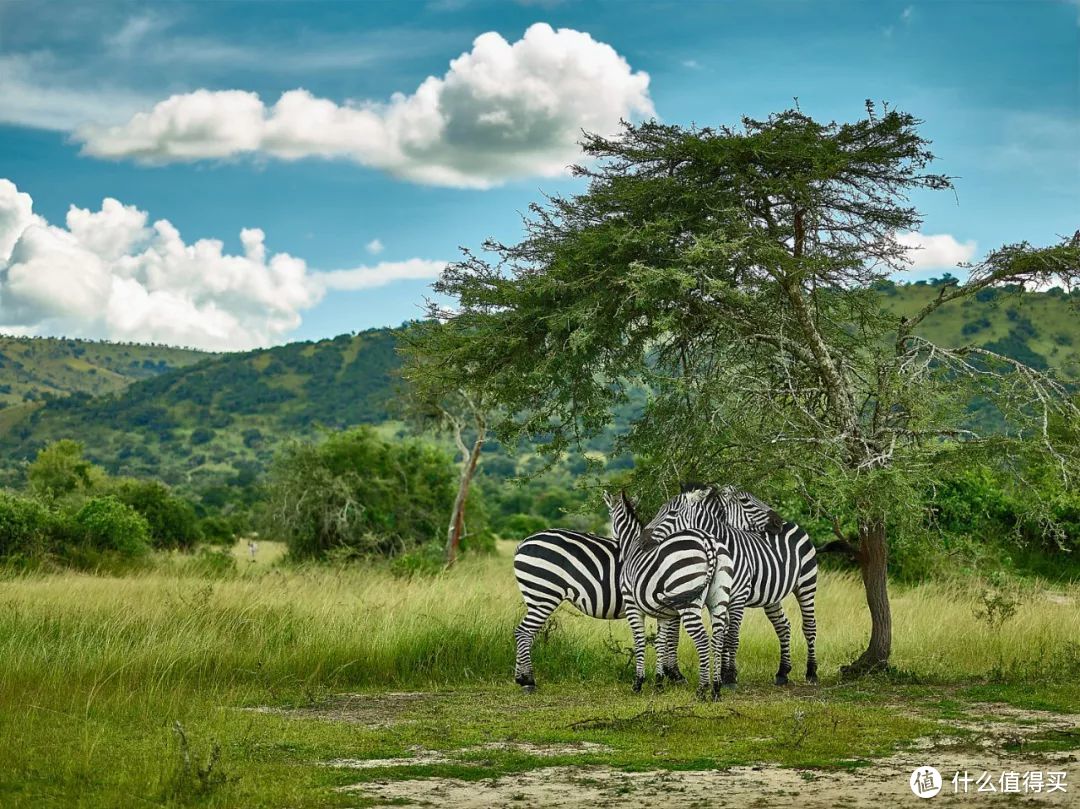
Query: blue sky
(997, 83)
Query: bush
(201, 435)
(172, 521)
(217, 530)
(427, 560)
(107, 524)
(358, 491)
(26, 526)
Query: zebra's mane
(628, 504)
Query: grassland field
(282, 686)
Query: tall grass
(288, 629)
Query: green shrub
(172, 520)
(217, 530)
(427, 560)
(359, 491)
(107, 524)
(26, 526)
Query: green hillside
(218, 421)
(218, 418)
(1041, 329)
(34, 368)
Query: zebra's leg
(662, 640)
(695, 628)
(805, 596)
(719, 616)
(671, 647)
(536, 615)
(728, 673)
(775, 613)
(637, 628)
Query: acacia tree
(733, 272)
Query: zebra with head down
(672, 581)
(772, 558)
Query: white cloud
(502, 111)
(375, 246)
(935, 251)
(110, 273)
(382, 273)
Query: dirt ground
(884, 783)
(858, 785)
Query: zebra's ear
(609, 501)
(776, 522)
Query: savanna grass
(96, 670)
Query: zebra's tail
(681, 600)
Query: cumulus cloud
(375, 246)
(927, 251)
(112, 273)
(501, 111)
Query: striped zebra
(772, 559)
(554, 566)
(671, 582)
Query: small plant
(997, 603)
(193, 776)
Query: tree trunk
(873, 561)
(456, 531)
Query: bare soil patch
(883, 783)
(997, 747)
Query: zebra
(583, 569)
(772, 559)
(672, 582)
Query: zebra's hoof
(782, 679)
(811, 680)
(638, 682)
(730, 686)
(716, 689)
(528, 689)
(702, 693)
(526, 681)
(658, 683)
(676, 677)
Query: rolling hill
(202, 421)
(33, 368)
(221, 416)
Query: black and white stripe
(672, 582)
(772, 558)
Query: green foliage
(358, 491)
(172, 521)
(107, 524)
(60, 470)
(427, 560)
(217, 530)
(27, 527)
